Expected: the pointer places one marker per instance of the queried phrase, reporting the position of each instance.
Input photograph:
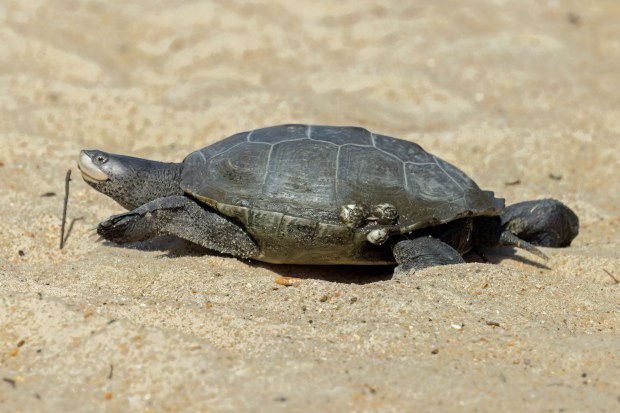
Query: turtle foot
(121, 228)
(419, 253)
(545, 222)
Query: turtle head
(129, 181)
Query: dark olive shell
(309, 172)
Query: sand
(522, 95)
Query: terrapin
(307, 194)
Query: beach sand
(521, 95)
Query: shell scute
(307, 173)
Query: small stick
(617, 281)
(64, 209)
(10, 381)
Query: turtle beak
(90, 171)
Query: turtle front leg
(546, 222)
(423, 252)
(182, 217)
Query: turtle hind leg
(545, 222)
(182, 217)
(423, 252)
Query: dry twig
(64, 209)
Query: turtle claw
(92, 232)
(532, 249)
(509, 239)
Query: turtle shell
(287, 184)
(310, 172)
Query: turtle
(315, 194)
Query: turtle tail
(509, 239)
(489, 232)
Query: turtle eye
(100, 159)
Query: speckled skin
(276, 195)
(142, 180)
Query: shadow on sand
(173, 247)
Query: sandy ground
(522, 95)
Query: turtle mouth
(90, 172)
